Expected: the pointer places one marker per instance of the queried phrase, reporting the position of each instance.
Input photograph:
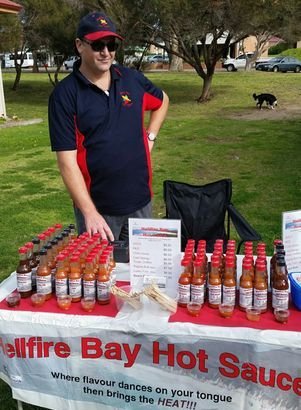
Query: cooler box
(295, 281)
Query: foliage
(292, 52)
(278, 48)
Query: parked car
(157, 58)
(282, 64)
(69, 62)
(233, 64)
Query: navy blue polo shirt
(108, 133)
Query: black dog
(270, 99)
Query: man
(96, 123)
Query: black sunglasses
(100, 45)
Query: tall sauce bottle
(23, 271)
(44, 285)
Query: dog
(270, 100)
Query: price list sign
(291, 236)
(155, 252)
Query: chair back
(201, 209)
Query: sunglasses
(99, 45)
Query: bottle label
(103, 290)
(198, 293)
(61, 287)
(229, 295)
(44, 284)
(261, 298)
(183, 293)
(75, 288)
(215, 294)
(280, 298)
(24, 282)
(245, 297)
(89, 288)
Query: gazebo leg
(20, 405)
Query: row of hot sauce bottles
(57, 261)
(217, 281)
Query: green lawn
(199, 143)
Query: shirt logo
(126, 100)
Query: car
(282, 64)
(233, 64)
(69, 62)
(157, 58)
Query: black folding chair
(205, 212)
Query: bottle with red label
(89, 279)
(229, 282)
(44, 284)
(75, 278)
(103, 281)
(246, 285)
(197, 288)
(260, 286)
(184, 283)
(61, 276)
(214, 283)
(24, 284)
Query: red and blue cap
(96, 25)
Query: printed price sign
(291, 236)
(155, 251)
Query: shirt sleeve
(61, 119)
(153, 96)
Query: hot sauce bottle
(214, 283)
(44, 275)
(184, 283)
(23, 270)
(280, 290)
(75, 278)
(229, 282)
(197, 287)
(260, 286)
(103, 281)
(246, 285)
(89, 278)
(61, 276)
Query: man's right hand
(96, 223)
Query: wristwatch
(151, 136)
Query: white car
(69, 62)
(233, 64)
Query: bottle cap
(22, 249)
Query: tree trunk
(18, 77)
(176, 63)
(35, 68)
(206, 90)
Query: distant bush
(292, 52)
(278, 48)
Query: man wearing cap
(96, 123)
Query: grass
(224, 138)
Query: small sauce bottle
(229, 282)
(61, 277)
(75, 278)
(184, 283)
(197, 287)
(214, 284)
(44, 275)
(103, 282)
(246, 285)
(23, 271)
(89, 278)
(260, 286)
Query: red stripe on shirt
(82, 156)
(149, 103)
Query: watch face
(151, 136)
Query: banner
(74, 363)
